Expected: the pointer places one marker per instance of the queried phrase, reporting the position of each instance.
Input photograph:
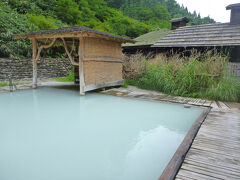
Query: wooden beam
(103, 85)
(81, 50)
(36, 52)
(68, 53)
(34, 62)
(45, 47)
(70, 35)
(103, 59)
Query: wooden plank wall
(102, 62)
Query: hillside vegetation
(129, 18)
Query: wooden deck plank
(223, 106)
(208, 170)
(195, 175)
(217, 142)
(214, 167)
(207, 103)
(215, 145)
(214, 105)
(217, 151)
(202, 156)
(184, 178)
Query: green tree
(115, 3)
(42, 22)
(67, 11)
(144, 14)
(11, 23)
(161, 12)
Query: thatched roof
(148, 39)
(70, 32)
(220, 34)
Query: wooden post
(34, 62)
(81, 66)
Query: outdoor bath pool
(54, 134)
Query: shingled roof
(219, 34)
(72, 29)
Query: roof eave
(70, 35)
(137, 46)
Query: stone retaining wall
(22, 69)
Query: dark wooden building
(219, 36)
(207, 36)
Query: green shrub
(2, 84)
(69, 78)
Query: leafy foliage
(44, 23)
(153, 6)
(71, 11)
(12, 23)
(129, 18)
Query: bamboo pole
(81, 66)
(34, 62)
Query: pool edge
(175, 163)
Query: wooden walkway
(215, 152)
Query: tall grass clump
(200, 75)
(227, 89)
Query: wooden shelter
(97, 55)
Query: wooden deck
(215, 152)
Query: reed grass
(200, 75)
